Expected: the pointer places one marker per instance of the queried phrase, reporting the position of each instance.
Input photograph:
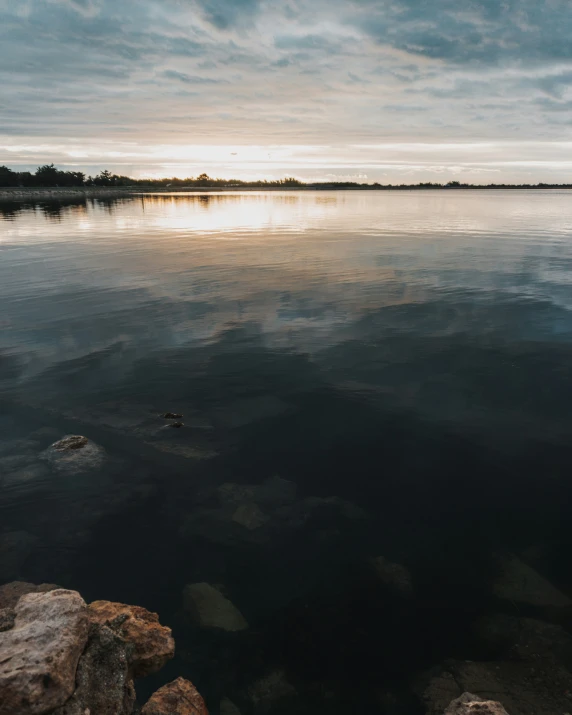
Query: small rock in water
(74, 441)
(74, 453)
(210, 609)
(177, 698)
(172, 416)
(272, 687)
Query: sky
(394, 91)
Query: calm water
(385, 374)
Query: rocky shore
(62, 656)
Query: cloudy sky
(373, 90)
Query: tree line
(50, 176)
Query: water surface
(384, 374)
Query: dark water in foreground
(376, 392)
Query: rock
(272, 687)
(210, 609)
(521, 688)
(74, 453)
(273, 492)
(394, 575)
(469, 704)
(227, 707)
(176, 425)
(103, 681)
(172, 416)
(153, 644)
(11, 593)
(7, 619)
(15, 547)
(177, 698)
(250, 516)
(520, 583)
(39, 655)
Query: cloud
(294, 73)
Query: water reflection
(375, 456)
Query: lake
(374, 450)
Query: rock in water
(103, 682)
(11, 593)
(394, 575)
(519, 582)
(227, 707)
(153, 644)
(177, 698)
(74, 453)
(469, 704)
(39, 655)
(210, 609)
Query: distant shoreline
(95, 192)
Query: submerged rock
(15, 547)
(74, 453)
(272, 687)
(177, 698)
(250, 516)
(394, 575)
(152, 644)
(519, 582)
(469, 704)
(172, 416)
(40, 654)
(210, 609)
(10, 593)
(521, 687)
(227, 707)
(103, 682)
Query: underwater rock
(39, 655)
(103, 681)
(74, 453)
(519, 582)
(521, 687)
(273, 492)
(172, 416)
(272, 687)
(210, 609)
(394, 575)
(250, 516)
(227, 707)
(153, 644)
(10, 593)
(15, 547)
(177, 698)
(469, 704)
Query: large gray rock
(74, 454)
(103, 682)
(469, 704)
(210, 609)
(39, 655)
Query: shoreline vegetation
(49, 182)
